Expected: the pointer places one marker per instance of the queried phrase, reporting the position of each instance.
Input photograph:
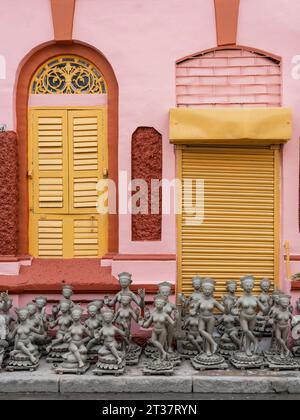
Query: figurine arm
(219, 306)
(261, 306)
(170, 320)
(146, 323)
(116, 316)
(35, 330)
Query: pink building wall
(142, 40)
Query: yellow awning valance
(228, 126)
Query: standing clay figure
(75, 360)
(165, 291)
(92, 324)
(296, 331)
(263, 327)
(231, 299)
(283, 360)
(3, 339)
(193, 343)
(125, 282)
(209, 359)
(123, 319)
(110, 359)
(248, 305)
(230, 341)
(25, 355)
(160, 320)
(58, 346)
(194, 297)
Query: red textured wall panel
(147, 165)
(8, 193)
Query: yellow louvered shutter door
(237, 236)
(50, 157)
(86, 131)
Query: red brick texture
(147, 165)
(8, 193)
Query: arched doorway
(28, 75)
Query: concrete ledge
(185, 381)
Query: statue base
(133, 355)
(150, 350)
(277, 363)
(240, 360)
(205, 362)
(158, 367)
(186, 350)
(107, 365)
(20, 361)
(174, 358)
(296, 351)
(227, 350)
(56, 353)
(71, 368)
(92, 355)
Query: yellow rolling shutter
(86, 130)
(238, 235)
(50, 154)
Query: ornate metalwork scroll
(68, 75)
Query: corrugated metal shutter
(237, 236)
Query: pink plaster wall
(142, 40)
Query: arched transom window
(68, 75)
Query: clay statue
(40, 323)
(25, 355)
(209, 359)
(110, 359)
(231, 299)
(194, 297)
(263, 327)
(58, 346)
(283, 360)
(248, 305)
(296, 331)
(125, 282)
(67, 293)
(75, 360)
(3, 339)
(165, 291)
(193, 342)
(123, 319)
(160, 320)
(92, 324)
(99, 304)
(6, 304)
(230, 341)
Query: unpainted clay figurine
(209, 359)
(283, 360)
(3, 339)
(123, 319)
(160, 320)
(193, 343)
(41, 339)
(25, 355)
(110, 359)
(296, 331)
(75, 360)
(59, 346)
(125, 281)
(231, 299)
(92, 324)
(194, 297)
(263, 327)
(249, 306)
(230, 340)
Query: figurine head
(126, 299)
(165, 289)
(41, 302)
(6, 302)
(98, 303)
(67, 291)
(76, 313)
(32, 309)
(197, 282)
(92, 309)
(159, 302)
(231, 286)
(285, 302)
(107, 315)
(65, 306)
(247, 283)
(22, 313)
(125, 280)
(265, 285)
(208, 287)
(276, 296)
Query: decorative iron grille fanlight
(68, 75)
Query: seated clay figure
(75, 359)
(110, 359)
(193, 343)
(230, 340)
(25, 355)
